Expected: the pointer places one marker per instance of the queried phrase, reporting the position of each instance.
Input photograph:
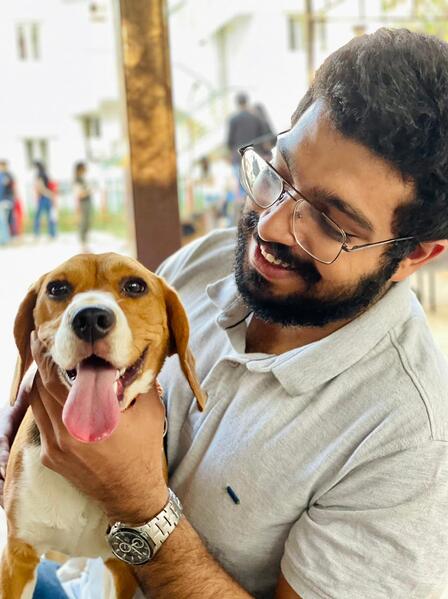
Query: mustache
(304, 268)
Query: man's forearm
(183, 569)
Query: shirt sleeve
(379, 532)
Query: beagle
(108, 324)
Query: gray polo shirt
(336, 452)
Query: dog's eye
(59, 290)
(134, 287)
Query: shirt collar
(302, 369)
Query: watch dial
(130, 546)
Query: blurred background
(119, 119)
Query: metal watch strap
(155, 531)
(161, 526)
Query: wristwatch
(137, 545)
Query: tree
(430, 16)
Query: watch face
(130, 546)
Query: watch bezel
(114, 534)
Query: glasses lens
(316, 233)
(262, 184)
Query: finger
(4, 455)
(52, 407)
(43, 421)
(149, 405)
(28, 379)
(48, 370)
(25, 386)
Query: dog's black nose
(93, 323)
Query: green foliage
(428, 16)
(114, 223)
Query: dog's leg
(18, 570)
(124, 579)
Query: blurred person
(18, 214)
(269, 137)
(83, 198)
(210, 192)
(45, 190)
(242, 127)
(6, 203)
(319, 467)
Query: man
(6, 202)
(319, 467)
(243, 127)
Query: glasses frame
(285, 185)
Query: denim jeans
(5, 212)
(48, 585)
(44, 206)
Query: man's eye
(59, 290)
(134, 287)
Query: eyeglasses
(315, 232)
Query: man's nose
(275, 222)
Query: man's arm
(185, 570)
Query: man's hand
(124, 472)
(10, 419)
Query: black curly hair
(389, 91)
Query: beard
(303, 308)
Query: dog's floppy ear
(23, 326)
(179, 334)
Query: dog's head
(108, 323)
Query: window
(91, 125)
(98, 12)
(28, 41)
(21, 44)
(321, 34)
(296, 33)
(36, 149)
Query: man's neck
(262, 337)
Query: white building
(259, 46)
(59, 89)
(59, 98)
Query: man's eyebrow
(319, 195)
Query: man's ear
(423, 253)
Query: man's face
(359, 191)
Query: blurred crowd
(214, 195)
(211, 195)
(45, 213)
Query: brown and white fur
(44, 511)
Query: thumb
(27, 383)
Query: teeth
(115, 386)
(272, 259)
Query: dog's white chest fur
(52, 514)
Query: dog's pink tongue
(91, 412)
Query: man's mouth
(124, 377)
(273, 260)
